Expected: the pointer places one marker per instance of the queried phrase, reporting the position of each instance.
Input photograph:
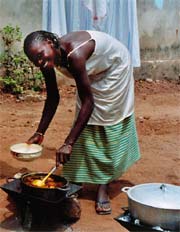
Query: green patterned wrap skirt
(103, 153)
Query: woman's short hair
(38, 36)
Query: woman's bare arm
(78, 70)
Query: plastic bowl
(26, 152)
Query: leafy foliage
(20, 74)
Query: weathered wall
(26, 14)
(159, 31)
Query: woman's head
(41, 48)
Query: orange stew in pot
(49, 183)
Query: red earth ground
(157, 109)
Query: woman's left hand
(37, 138)
(63, 154)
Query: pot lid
(166, 196)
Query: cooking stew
(49, 183)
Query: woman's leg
(102, 201)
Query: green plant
(10, 35)
(20, 74)
(10, 85)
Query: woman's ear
(49, 42)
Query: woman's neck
(63, 59)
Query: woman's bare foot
(102, 205)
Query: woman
(102, 143)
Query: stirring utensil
(41, 183)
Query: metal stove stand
(131, 224)
(38, 214)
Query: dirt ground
(157, 109)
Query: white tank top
(111, 77)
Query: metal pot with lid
(155, 204)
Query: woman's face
(43, 54)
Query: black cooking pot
(49, 194)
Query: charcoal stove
(131, 224)
(36, 213)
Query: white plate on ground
(26, 152)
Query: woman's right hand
(37, 138)
(63, 154)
